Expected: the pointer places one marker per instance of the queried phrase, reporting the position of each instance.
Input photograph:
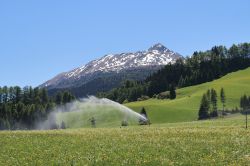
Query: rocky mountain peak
(157, 56)
(158, 47)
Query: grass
(211, 142)
(80, 116)
(222, 141)
(185, 107)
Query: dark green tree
(44, 96)
(172, 92)
(59, 98)
(214, 112)
(245, 105)
(67, 97)
(244, 102)
(17, 90)
(223, 100)
(23, 108)
(201, 67)
(145, 120)
(204, 108)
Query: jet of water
(106, 102)
(81, 113)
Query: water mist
(89, 112)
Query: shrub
(124, 123)
(163, 95)
(142, 98)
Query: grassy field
(185, 107)
(184, 141)
(104, 117)
(211, 142)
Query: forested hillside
(201, 67)
(186, 106)
(23, 108)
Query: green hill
(185, 106)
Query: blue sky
(39, 39)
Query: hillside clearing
(185, 107)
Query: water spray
(92, 111)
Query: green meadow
(174, 138)
(212, 142)
(185, 107)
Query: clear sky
(39, 39)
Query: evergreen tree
(2, 124)
(234, 51)
(143, 121)
(172, 92)
(181, 82)
(214, 112)
(25, 95)
(44, 96)
(17, 94)
(23, 108)
(199, 68)
(223, 99)
(5, 94)
(1, 95)
(245, 105)
(67, 97)
(209, 96)
(59, 98)
(244, 102)
(204, 108)
(31, 95)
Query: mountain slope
(185, 107)
(115, 67)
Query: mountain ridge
(154, 58)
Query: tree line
(245, 102)
(245, 105)
(208, 106)
(23, 108)
(202, 66)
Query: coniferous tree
(181, 82)
(214, 112)
(67, 97)
(204, 108)
(208, 94)
(23, 108)
(145, 120)
(199, 68)
(44, 96)
(25, 99)
(2, 122)
(17, 90)
(59, 98)
(172, 92)
(245, 105)
(223, 99)
(244, 102)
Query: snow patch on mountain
(157, 55)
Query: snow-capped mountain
(114, 65)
